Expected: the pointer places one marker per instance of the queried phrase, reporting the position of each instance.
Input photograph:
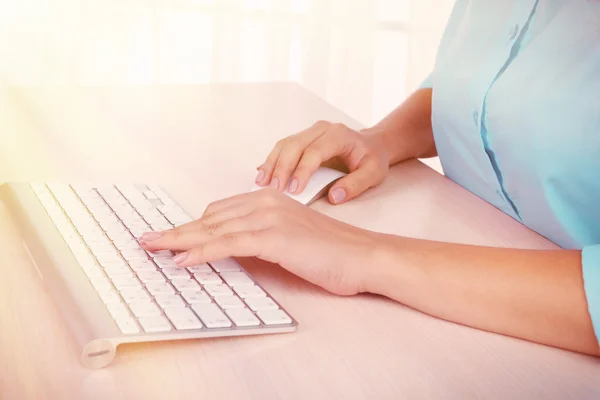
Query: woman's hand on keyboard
(296, 158)
(271, 226)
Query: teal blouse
(516, 117)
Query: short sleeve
(591, 283)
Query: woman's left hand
(271, 226)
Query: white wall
(427, 22)
(364, 56)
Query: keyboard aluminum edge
(83, 312)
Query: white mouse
(317, 185)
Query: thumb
(355, 183)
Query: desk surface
(203, 143)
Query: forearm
(406, 132)
(533, 295)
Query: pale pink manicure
(260, 176)
(179, 258)
(338, 195)
(149, 236)
(275, 183)
(294, 186)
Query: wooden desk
(203, 143)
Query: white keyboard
(147, 293)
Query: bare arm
(529, 294)
(406, 132)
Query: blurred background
(362, 56)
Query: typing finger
(238, 244)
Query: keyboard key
(229, 302)
(117, 272)
(126, 282)
(117, 233)
(92, 270)
(104, 251)
(261, 303)
(101, 284)
(226, 265)
(110, 296)
(155, 324)
(109, 258)
(160, 226)
(183, 318)
(135, 295)
(127, 245)
(142, 265)
(170, 209)
(207, 278)
(150, 195)
(218, 290)
(152, 215)
(109, 222)
(169, 300)
(247, 291)
(176, 273)
(160, 253)
(147, 276)
(165, 262)
(158, 220)
(127, 325)
(118, 310)
(200, 268)
(144, 309)
(274, 317)
(130, 255)
(242, 317)
(211, 315)
(196, 297)
(236, 278)
(186, 285)
(162, 195)
(136, 225)
(156, 288)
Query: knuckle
(272, 216)
(373, 164)
(269, 196)
(197, 253)
(282, 142)
(212, 228)
(322, 124)
(338, 127)
(202, 222)
(312, 153)
(285, 164)
(173, 234)
(209, 210)
(229, 239)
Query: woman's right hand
(296, 158)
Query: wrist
(390, 269)
(392, 142)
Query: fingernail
(149, 236)
(179, 258)
(260, 176)
(338, 195)
(294, 186)
(275, 183)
